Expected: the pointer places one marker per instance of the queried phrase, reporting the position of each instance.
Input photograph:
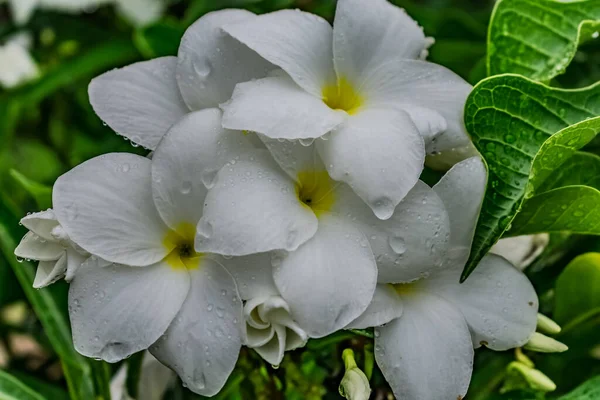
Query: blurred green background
(47, 127)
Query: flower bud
(546, 325)
(544, 344)
(354, 385)
(536, 379)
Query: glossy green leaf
(566, 209)
(77, 371)
(13, 389)
(539, 38)
(577, 288)
(590, 390)
(509, 118)
(558, 150)
(582, 169)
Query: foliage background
(47, 127)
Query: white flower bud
(546, 325)
(354, 385)
(544, 344)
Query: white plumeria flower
(426, 351)
(332, 236)
(17, 66)
(48, 243)
(153, 291)
(521, 251)
(143, 100)
(270, 326)
(363, 83)
(139, 12)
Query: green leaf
(509, 118)
(13, 389)
(41, 193)
(571, 208)
(158, 40)
(577, 288)
(590, 390)
(538, 38)
(77, 371)
(582, 169)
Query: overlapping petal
(103, 205)
(385, 306)
(366, 37)
(427, 353)
(379, 153)
(253, 208)
(210, 62)
(41, 223)
(278, 108)
(117, 310)
(253, 275)
(497, 300)
(428, 92)
(411, 244)
(34, 247)
(462, 189)
(187, 159)
(203, 342)
(329, 280)
(298, 42)
(140, 101)
(49, 272)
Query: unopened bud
(536, 379)
(546, 325)
(544, 344)
(354, 385)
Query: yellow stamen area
(404, 289)
(342, 96)
(180, 244)
(315, 191)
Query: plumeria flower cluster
(282, 202)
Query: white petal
(385, 306)
(74, 261)
(21, 10)
(379, 153)
(293, 156)
(140, 101)
(141, 12)
(278, 108)
(34, 247)
(521, 251)
(203, 342)
(17, 66)
(462, 190)
(253, 208)
(103, 205)
(188, 157)
(412, 243)
(427, 353)
(210, 62)
(366, 37)
(329, 281)
(49, 272)
(497, 300)
(117, 310)
(274, 350)
(428, 92)
(253, 275)
(298, 42)
(41, 223)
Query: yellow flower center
(180, 244)
(404, 289)
(315, 191)
(342, 96)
